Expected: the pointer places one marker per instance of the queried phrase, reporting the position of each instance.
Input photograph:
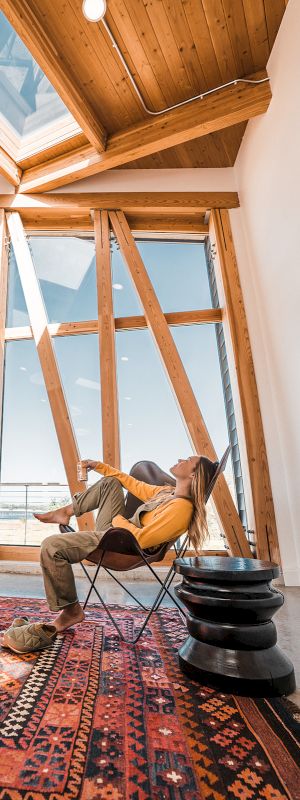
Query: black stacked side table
(232, 638)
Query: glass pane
(17, 313)
(125, 299)
(65, 266)
(197, 347)
(26, 96)
(30, 451)
(151, 426)
(178, 273)
(78, 359)
(31, 459)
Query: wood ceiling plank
(26, 24)
(176, 374)
(221, 110)
(9, 169)
(48, 362)
(130, 202)
(160, 22)
(131, 44)
(185, 45)
(274, 11)
(198, 25)
(231, 139)
(239, 36)
(258, 34)
(137, 11)
(225, 55)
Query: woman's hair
(203, 475)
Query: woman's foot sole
(57, 517)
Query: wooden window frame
(150, 227)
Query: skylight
(28, 102)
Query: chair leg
(164, 589)
(93, 580)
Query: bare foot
(70, 615)
(59, 517)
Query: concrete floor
(287, 618)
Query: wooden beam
(148, 203)
(106, 330)
(38, 320)
(14, 552)
(205, 316)
(187, 402)
(3, 302)
(221, 110)
(9, 169)
(266, 532)
(26, 24)
(177, 224)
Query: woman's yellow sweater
(164, 523)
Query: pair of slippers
(25, 637)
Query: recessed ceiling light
(23, 369)
(123, 358)
(94, 10)
(127, 398)
(118, 286)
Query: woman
(163, 516)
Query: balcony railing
(19, 501)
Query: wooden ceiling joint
(225, 108)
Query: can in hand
(81, 472)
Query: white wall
(266, 230)
(157, 180)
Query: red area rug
(92, 718)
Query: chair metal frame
(164, 587)
(130, 546)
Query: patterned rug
(94, 719)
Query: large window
(151, 424)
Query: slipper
(66, 529)
(18, 621)
(29, 637)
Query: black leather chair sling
(119, 550)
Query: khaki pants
(58, 552)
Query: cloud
(37, 379)
(81, 431)
(86, 383)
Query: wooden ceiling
(175, 49)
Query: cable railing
(19, 501)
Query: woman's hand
(89, 464)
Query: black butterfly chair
(119, 550)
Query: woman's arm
(144, 491)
